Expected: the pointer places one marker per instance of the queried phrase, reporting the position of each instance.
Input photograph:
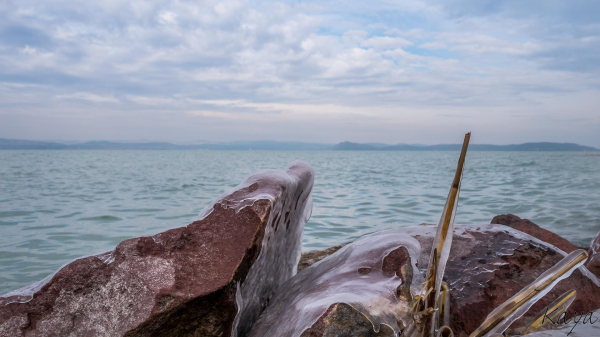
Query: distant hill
(349, 146)
(544, 146)
(378, 144)
(266, 145)
(104, 145)
(15, 144)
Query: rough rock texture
(488, 264)
(593, 262)
(375, 276)
(486, 268)
(534, 230)
(182, 282)
(312, 257)
(342, 320)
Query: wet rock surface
(370, 276)
(343, 320)
(486, 268)
(198, 280)
(526, 226)
(488, 264)
(312, 257)
(593, 262)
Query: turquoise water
(56, 206)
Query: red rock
(375, 272)
(488, 264)
(182, 282)
(486, 269)
(309, 258)
(342, 320)
(534, 230)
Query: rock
(593, 262)
(340, 319)
(511, 220)
(210, 278)
(361, 290)
(312, 257)
(534, 230)
(488, 264)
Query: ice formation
(301, 301)
(545, 277)
(354, 275)
(281, 243)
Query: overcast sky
(322, 71)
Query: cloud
(167, 18)
(86, 96)
(475, 44)
(232, 62)
(286, 108)
(152, 101)
(386, 42)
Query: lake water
(56, 206)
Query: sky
(313, 71)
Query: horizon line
(374, 145)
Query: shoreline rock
(526, 226)
(593, 262)
(198, 280)
(511, 220)
(373, 275)
(309, 258)
(488, 264)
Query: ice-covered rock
(491, 263)
(593, 262)
(526, 226)
(210, 278)
(373, 276)
(488, 264)
(307, 259)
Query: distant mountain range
(543, 146)
(14, 144)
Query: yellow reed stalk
(447, 217)
(444, 306)
(551, 312)
(437, 264)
